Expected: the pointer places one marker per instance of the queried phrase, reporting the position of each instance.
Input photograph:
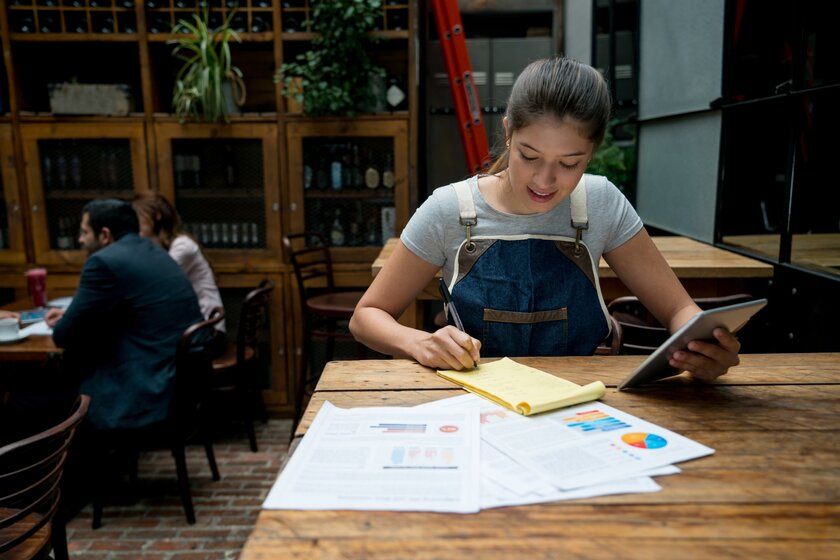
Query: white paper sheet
(385, 458)
(505, 482)
(36, 328)
(589, 444)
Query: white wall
(677, 174)
(577, 30)
(680, 55)
(680, 66)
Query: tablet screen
(700, 327)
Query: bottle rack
(348, 185)
(253, 18)
(295, 16)
(51, 18)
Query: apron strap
(466, 211)
(580, 218)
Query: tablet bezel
(699, 327)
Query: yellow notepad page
(523, 389)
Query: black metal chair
(234, 372)
(30, 490)
(186, 419)
(642, 333)
(324, 309)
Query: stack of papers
(466, 453)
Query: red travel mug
(37, 281)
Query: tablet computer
(700, 327)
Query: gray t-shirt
(434, 233)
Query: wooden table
(815, 250)
(771, 490)
(35, 348)
(704, 270)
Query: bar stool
(323, 308)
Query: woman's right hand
(448, 348)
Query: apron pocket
(516, 333)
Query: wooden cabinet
(238, 186)
(70, 164)
(224, 181)
(349, 181)
(12, 248)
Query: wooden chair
(642, 333)
(234, 373)
(186, 419)
(30, 479)
(323, 307)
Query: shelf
(210, 194)
(87, 194)
(384, 194)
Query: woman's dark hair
(560, 88)
(117, 215)
(166, 221)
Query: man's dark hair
(116, 215)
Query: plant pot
(230, 100)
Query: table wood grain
(770, 490)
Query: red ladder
(461, 83)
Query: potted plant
(208, 80)
(613, 160)
(333, 77)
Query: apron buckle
(578, 236)
(468, 223)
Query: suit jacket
(123, 326)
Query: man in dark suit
(121, 331)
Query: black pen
(449, 308)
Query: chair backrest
(312, 261)
(193, 371)
(642, 333)
(252, 315)
(30, 476)
(611, 346)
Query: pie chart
(644, 441)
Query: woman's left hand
(706, 360)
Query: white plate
(62, 302)
(18, 338)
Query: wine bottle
(395, 95)
(47, 172)
(255, 237)
(76, 171)
(371, 173)
(259, 24)
(335, 170)
(356, 168)
(61, 168)
(337, 230)
(388, 178)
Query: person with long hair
(519, 246)
(160, 222)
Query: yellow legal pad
(523, 389)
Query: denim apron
(529, 295)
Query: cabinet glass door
(223, 182)
(75, 164)
(349, 183)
